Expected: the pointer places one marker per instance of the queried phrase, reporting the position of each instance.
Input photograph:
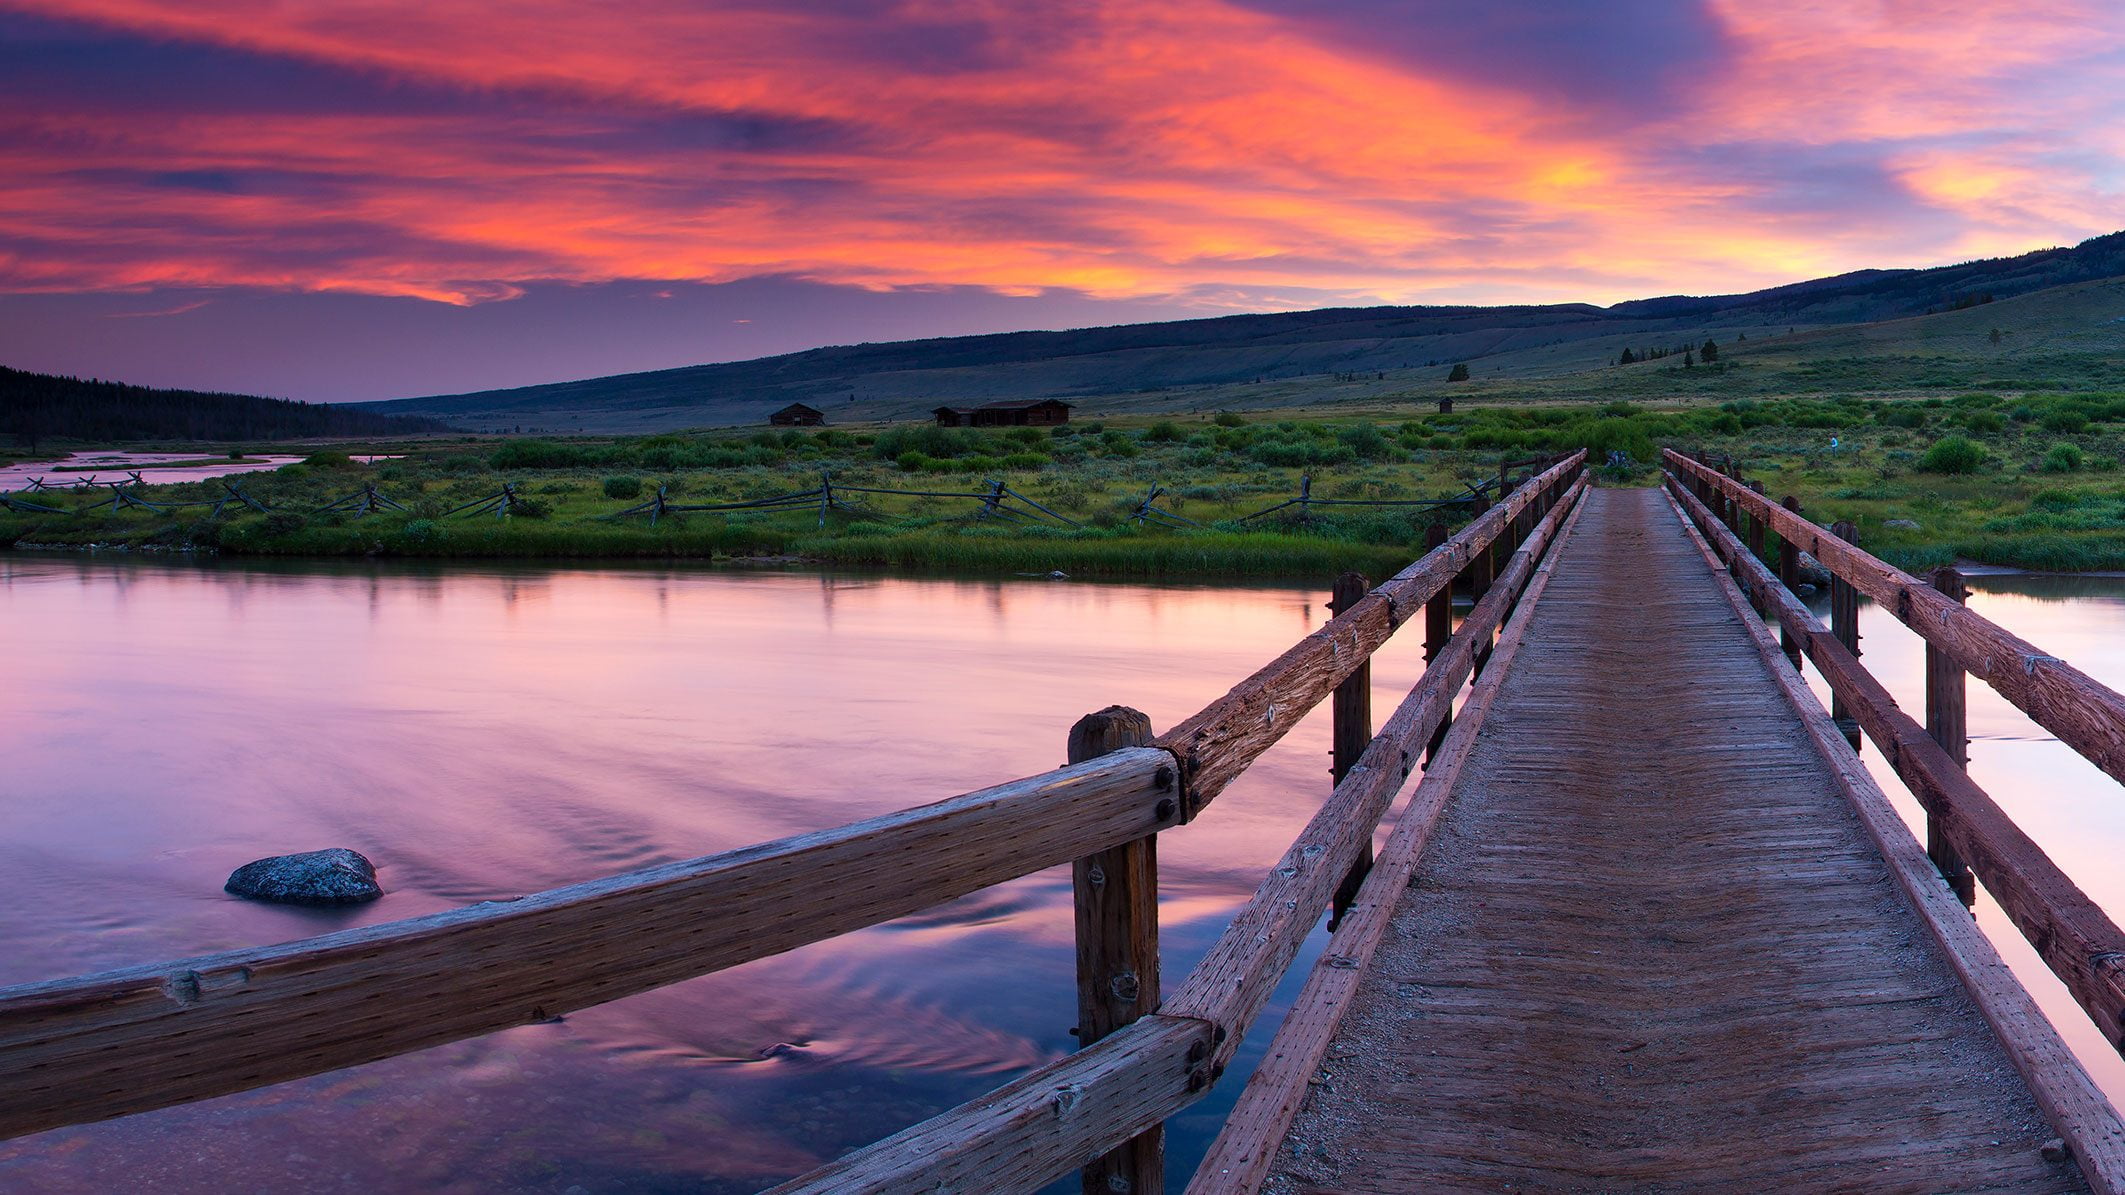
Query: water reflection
(484, 732)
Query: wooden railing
(84, 1049)
(1966, 828)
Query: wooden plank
(1240, 971)
(84, 1049)
(2084, 713)
(2070, 1099)
(1238, 1161)
(1220, 742)
(1116, 905)
(1030, 1131)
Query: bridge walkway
(1651, 946)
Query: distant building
(1029, 412)
(1446, 405)
(798, 415)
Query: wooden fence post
(1117, 950)
(1947, 723)
(1756, 525)
(1844, 625)
(1480, 573)
(1351, 711)
(1438, 629)
(1789, 576)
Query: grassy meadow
(2029, 479)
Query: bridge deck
(1650, 946)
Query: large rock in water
(332, 877)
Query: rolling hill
(37, 405)
(1777, 338)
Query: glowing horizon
(1152, 158)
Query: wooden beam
(1947, 723)
(2073, 934)
(1032, 1130)
(1236, 977)
(2084, 713)
(1219, 743)
(89, 1048)
(1116, 903)
(1239, 1160)
(2068, 1097)
(1351, 713)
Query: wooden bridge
(1645, 923)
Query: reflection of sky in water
(100, 467)
(488, 731)
(2066, 804)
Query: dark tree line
(36, 405)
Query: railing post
(1117, 950)
(1351, 711)
(1756, 524)
(1480, 574)
(1729, 505)
(1789, 576)
(1947, 723)
(1844, 625)
(1438, 629)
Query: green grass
(2040, 486)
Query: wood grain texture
(2071, 1101)
(1242, 968)
(1115, 902)
(1239, 1160)
(2084, 713)
(2081, 944)
(85, 1049)
(1036, 1128)
(1219, 743)
(1655, 950)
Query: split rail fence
(84, 1049)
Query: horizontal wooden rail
(1240, 971)
(1040, 1126)
(85, 1049)
(92, 1047)
(1239, 1160)
(2085, 714)
(2073, 935)
(1219, 743)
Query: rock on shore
(330, 877)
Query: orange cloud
(1115, 147)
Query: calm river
(483, 732)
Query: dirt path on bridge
(1650, 947)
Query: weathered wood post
(1729, 505)
(1947, 722)
(1351, 711)
(1756, 524)
(1789, 576)
(1480, 574)
(1844, 625)
(1117, 950)
(1438, 629)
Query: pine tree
(1627, 359)
(1709, 353)
(1459, 373)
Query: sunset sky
(380, 198)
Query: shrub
(537, 454)
(1165, 431)
(1955, 454)
(329, 459)
(2063, 458)
(531, 508)
(623, 487)
(1983, 423)
(1230, 419)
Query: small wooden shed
(1446, 405)
(1029, 412)
(798, 415)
